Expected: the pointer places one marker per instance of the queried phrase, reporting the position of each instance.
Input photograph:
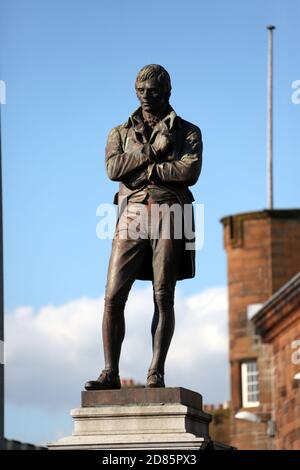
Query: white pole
(270, 121)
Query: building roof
(264, 214)
(276, 313)
(12, 444)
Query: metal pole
(270, 120)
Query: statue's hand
(162, 143)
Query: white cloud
(52, 352)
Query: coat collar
(135, 120)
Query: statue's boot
(107, 380)
(155, 379)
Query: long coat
(130, 160)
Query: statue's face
(151, 95)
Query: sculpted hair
(158, 72)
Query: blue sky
(69, 68)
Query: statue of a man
(156, 156)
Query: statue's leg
(126, 259)
(166, 261)
(154, 323)
(163, 325)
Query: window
(250, 384)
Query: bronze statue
(155, 155)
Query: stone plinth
(142, 396)
(138, 418)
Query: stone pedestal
(138, 418)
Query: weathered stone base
(138, 418)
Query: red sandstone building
(263, 252)
(278, 324)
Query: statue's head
(153, 88)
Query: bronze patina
(155, 156)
